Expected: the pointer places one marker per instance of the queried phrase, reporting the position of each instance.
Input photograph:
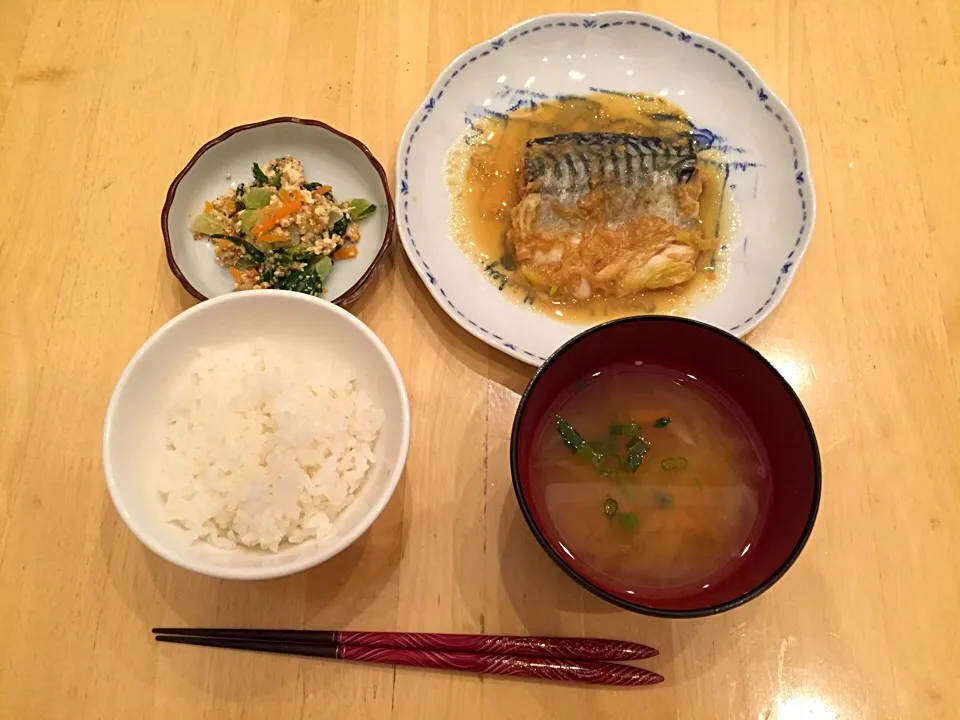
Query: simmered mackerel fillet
(608, 214)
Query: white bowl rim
(256, 573)
(350, 294)
(629, 17)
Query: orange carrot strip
(345, 253)
(236, 273)
(290, 206)
(273, 237)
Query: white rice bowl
(334, 356)
(265, 445)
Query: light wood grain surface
(102, 102)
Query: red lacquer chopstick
(547, 647)
(582, 671)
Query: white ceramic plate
(133, 429)
(626, 52)
(328, 156)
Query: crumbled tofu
(322, 212)
(290, 170)
(326, 244)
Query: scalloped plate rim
(614, 15)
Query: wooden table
(101, 102)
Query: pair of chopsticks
(585, 660)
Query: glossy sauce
(484, 176)
(693, 522)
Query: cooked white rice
(265, 445)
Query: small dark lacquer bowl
(741, 375)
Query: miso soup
(652, 479)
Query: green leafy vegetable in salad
(340, 226)
(259, 176)
(280, 231)
(360, 208)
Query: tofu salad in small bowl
(284, 204)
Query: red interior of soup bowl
(728, 366)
